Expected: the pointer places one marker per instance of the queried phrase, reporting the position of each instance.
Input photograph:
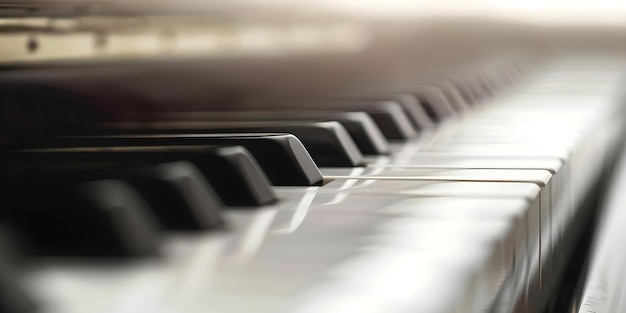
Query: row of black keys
(99, 201)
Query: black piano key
(435, 103)
(359, 125)
(414, 109)
(283, 158)
(484, 88)
(56, 216)
(365, 133)
(178, 194)
(453, 96)
(389, 116)
(410, 105)
(466, 91)
(13, 297)
(234, 174)
(328, 143)
(474, 88)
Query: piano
(305, 157)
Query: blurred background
(232, 53)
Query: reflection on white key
(397, 281)
(438, 188)
(512, 211)
(452, 161)
(495, 237)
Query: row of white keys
(364, 228)
(552, 223)
(474, 180)
(587, 149)
(200, 273)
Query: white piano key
(400, 281)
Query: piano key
(389, 116)
(282, 157)
(493, 236)
(359, 125)
(13, 296)
(484, 86)
(472, 161)
(553, 165)
(410, 104)
(232, 171)
(370, 275)
(539, 177)
(511, 211)
(93, 218)
(435, 103)
(178, 194)
(453, 96)
(378, 196)
(328, 143)
(504, 150)
(466, 90)
(435, 161)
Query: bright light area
(601, 12)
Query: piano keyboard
(461, 197)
